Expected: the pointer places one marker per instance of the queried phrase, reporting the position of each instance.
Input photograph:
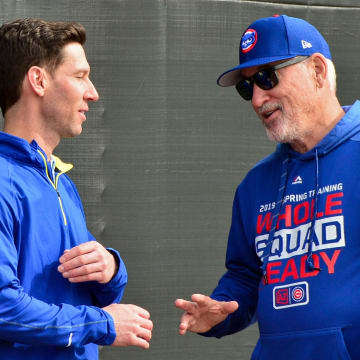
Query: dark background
(164, 148)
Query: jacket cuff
(121, 269)
(109, 338)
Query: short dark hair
(31, 42)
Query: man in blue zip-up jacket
(59, 288)
(293, 249)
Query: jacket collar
(29, 153)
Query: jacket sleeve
(28, 320)
(241, 280)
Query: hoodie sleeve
(241, 280)
(28, 320)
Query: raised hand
(203, 313)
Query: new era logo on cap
(306, 44)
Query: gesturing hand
(89, 261)
(132, 324)
(203, 313)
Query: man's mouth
(267, 112)
(82, 112)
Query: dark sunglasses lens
(266, 79)
(245, 89)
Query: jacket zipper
(54, 185)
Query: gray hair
(331, 75)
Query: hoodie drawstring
(278, 206)
(310, 260)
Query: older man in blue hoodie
(293, 248)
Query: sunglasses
(265, 78)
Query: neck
(22, 124)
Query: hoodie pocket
(324, 344)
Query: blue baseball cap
(272, 39)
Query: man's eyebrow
(82, 71)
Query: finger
(230, 306)
(81, 249)
(79, 261)
(97, 276)
(141, 312)
(83, 271)
(185, 323)
(182, 328)
(69, 254)
(145, 334)
(141, 343)
(185, 305)
(201, 300)
(147, 324)
(143, 322)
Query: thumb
(230, 306)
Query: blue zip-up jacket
(42, 314)
(293, 256)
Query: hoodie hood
(347, 127)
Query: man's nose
(259, 97)
(91, 93)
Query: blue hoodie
(299, 279)
(42, 314)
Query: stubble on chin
(287, 130)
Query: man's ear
(320, 69)
(37, 78)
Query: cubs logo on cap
(248, 40)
